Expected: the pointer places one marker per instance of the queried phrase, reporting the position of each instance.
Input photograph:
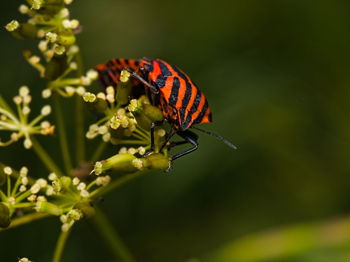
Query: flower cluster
(18, 124)
(50, 22)
(18, 195)
(59, 196)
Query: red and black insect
(182, 103)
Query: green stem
(79, 130)
(111, 237)
(25, 219)
(62, 134)
(79, 118)
(99, 151)
(61, 242)
(45, 158)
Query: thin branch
(111, 237)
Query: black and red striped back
(181, 101)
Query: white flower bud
(84, 193)
(64, 12)
(81, 186)
(23, 9)
(41, 182)
(92, 74)
(24, 181)
(27, 143)
(46, 110)
(70, 90)
(46, 93)
(17, 100)
(52, 176)
(80, 90)
(23, 91)
(8, 170)
(34, 60)
(76, 181)
(26, 110)
(35, 188)
(42, 45)
(22, 188)
(24, 171)
(73, 65)
(65, 227)
(31, 198)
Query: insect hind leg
(190, 138)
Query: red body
(180, 100)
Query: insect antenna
(218, 137)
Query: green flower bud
(121, 163)
(50, 208)
(66, 39)
(156, 161)
(25, 31)
(86, 208)
(5, 220)
(123, 92)
(154, 113)
(56, 67)
(66, 181)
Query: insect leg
(189, 137)
(153, 89)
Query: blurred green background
(276, 74)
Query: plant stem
(79, 130)
(99, 151)
(45, 158)
(25, 219)
(61, 242)
(111, 237)
(79, 118)
(62, 134)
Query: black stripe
(160, 82)
(164, 69)
(202, 113)
(186, 100)
(180, 73)
(188, 94)
(174, 91)
(193, 109)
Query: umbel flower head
(18, 124)
(50, 22)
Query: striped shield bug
(182, 103)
